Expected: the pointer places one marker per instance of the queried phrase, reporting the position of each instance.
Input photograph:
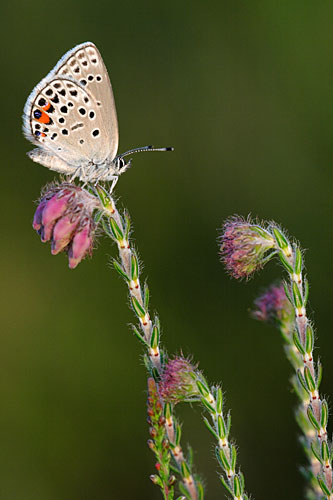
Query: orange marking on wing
(47, 106)
(44, 118)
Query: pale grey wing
(85, 64)
(82, 63)
(64, 119)
(51, 161)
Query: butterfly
(71, 117)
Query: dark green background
(243, 91)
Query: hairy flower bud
(274, 307)
(65, 216)
(178, 381)
(244, 246)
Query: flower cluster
(64, 216)
(244, 246)
(274, 307)
(178, 381)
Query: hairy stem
(313, 411)
(117, 227)
(226, 454)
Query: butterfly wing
(71, 113)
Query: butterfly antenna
(143, 149)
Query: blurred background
(243, 91)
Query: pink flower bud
(81, 244)
(178, 381)
(65, 216)
(53, 210)
(37, 223)
(63, 232)
(274, 307)
(244, 247)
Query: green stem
(117, 228)
(312, 414)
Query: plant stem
(226, 454)
(312, 414)
(118, 228)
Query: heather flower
(274, 307)
(244, 246)
(65, 216)
(178, 381)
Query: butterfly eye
(120, 162)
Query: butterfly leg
(87, 174)
(77, 173)
(99, 177)
(113, 184)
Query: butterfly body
(86, 172)
(71, 117)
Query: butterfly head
(121, 165)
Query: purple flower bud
(243, 247)
(178, 381)
(274, 307)
(65, 216)
(63, 233)
(54, 209)
(81, 244)
(37, 223)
